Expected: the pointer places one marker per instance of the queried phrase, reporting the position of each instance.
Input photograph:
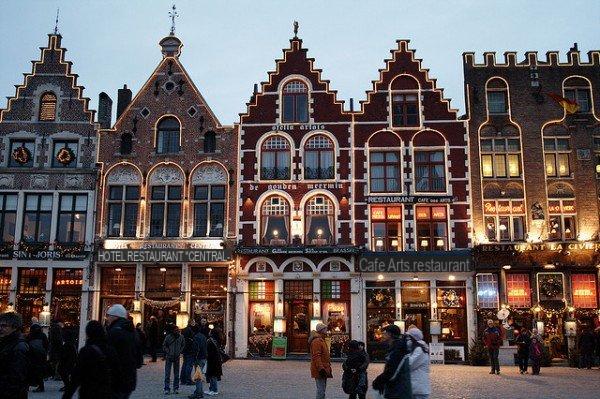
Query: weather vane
(56, 22)
(173, 14)
(296, 25)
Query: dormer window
(167, 137)
(295, 102)
(48, 107)
(578, 90)
(405, 101)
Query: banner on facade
(416, 262)
(409, 199)
(296, 250)
(163, 255)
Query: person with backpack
(199, 362)
(394, 381)
(419, 363)
(38, 347)
(354, 378)
(492, 338)
(214, 362)
(172, 347)
(189, 352)
(14, 361)
(96, 363)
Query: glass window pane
(64, 227)
(114, 220)
(513, 145)
(486, 166)
(378, 156)
(10, 202)
(518, 228)
(550, 165)
(201, 193)
(514, 165)
(200, 219)
(31, 203)
(79, 228)
(44, 227)
(217, 192)
(563, 165)
(486, 145)
(500, 165)
(217, 219)
(81, 203)
(288, 108)
(173, 219)
(549, 144)
(156, 220)
(130, 220)
(66, 202)
(392, 157)
(302, 108)
(132, 193)
(115, 193)
(46, 203)
(174, 192)
(8, 232)
(158, 192)
(562, 144)
(499, 145)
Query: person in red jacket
(492, 338)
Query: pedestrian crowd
(106, 366)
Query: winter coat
(56, 340)
(190, 347)
(13, 367)
(523, 342)
(392, 389)
(214, 366)
(152, 333)
(173, 345)
(68, 357)
(201, 344)
(38, 352)
(96, 364)
(121, 337)
(536, 351)
(355, 382)
(419, 364)
(319, 356)
(492, 338)
(587, 342)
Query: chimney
(104, 110)
(351, 104)
(123, 100)
(574, 48)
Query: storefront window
(335, 312)
(31, 291)
(452, 312)
(261, 313)
(66, 297)
(5, 280)
(562, 220)
(320, 221)
(518, 290)
(381, 311)
(487, 291)
(416, 307)
(162, 285)
(117, 285)
(209, 294)
(583, 288)
(504, 220)
(432, 228)
(386, 228)
(275, 221)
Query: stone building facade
(47, 194)
(535, 153)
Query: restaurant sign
(296, 250)
(545, 246)
(409, 199)
(416, 262)
(163, 255)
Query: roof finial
(173, 14)
(296, 25)
(56, 22)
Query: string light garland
(160, 304)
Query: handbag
(198, 375)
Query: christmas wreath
(65, 156)
(551, 287)
(450, 299)
(21, 155)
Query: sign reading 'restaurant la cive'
(163, 255)
(415, 262)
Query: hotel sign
(163, 255)
(409, 199)
(546, 246)
(416, 262)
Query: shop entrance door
(420, 318)
(298, 325)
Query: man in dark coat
(13, 357)
(214, 365)
(492, 338)
(56, 341)
(523, 342)
(121, 336)
(587, 344)
(199, 361)
(189, 352)
(96, 363)
(392, 388)
(152, 334)
(38, 348)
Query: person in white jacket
(419, 363)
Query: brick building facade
(168, 169)
(535, 170)
(47, 194)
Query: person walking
(320, 363)
(13, 358)
(199, 361)
(67, 359)
(419, 363)
(56, 342)
(153, 337)
(394, 381)
(189, 352)
(586, 346)
(172, 347)
(492, 339)
(536, 352)
(38, 347)
(354, 378)
(96, 363)
(214, 364)
(203, 327)
(121, 337)
(523, 342)
(143, 340)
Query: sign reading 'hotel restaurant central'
(164, 255)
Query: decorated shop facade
(47, 194)
(535, 138)
(411, 209)
(166, 218)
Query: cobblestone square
(268, 379)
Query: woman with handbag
(394, 382)
(354, 378)
(214, 363)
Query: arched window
(48, 107)
(318, 158)
(578, 90)
(295, 102)
(167, 137)
(429, 161)
(319, 216)
(210, 142)
(275, 159)
(166, 186)
(126, 143)
(405, 102)
(275, 221)
(562, 213)
(497, 96)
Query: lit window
(295, 102)
(487, 291)
(275, 221)
(275, 159)
(562, 221)
(167, 137)
(386, 228)
(504, 220)
(384, 171)
(123, 207)
(583, 288)
(597, 155)
(318, 158)
(557, 152)
(319, 221)
(48, 107)
(432, 228)
(501, 158)
(405, 110)
(165, 211)
(209, 210)
(518, 290)
(430, 173)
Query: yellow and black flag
(568, 105)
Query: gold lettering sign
(503, 207)
(438, 212)
(394, 213)
(518, 207)
(489, 207)
(515, 292)
(583, 292)
(554, 207)
(568, 207)
(378, 213)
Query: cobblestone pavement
(269, 379)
